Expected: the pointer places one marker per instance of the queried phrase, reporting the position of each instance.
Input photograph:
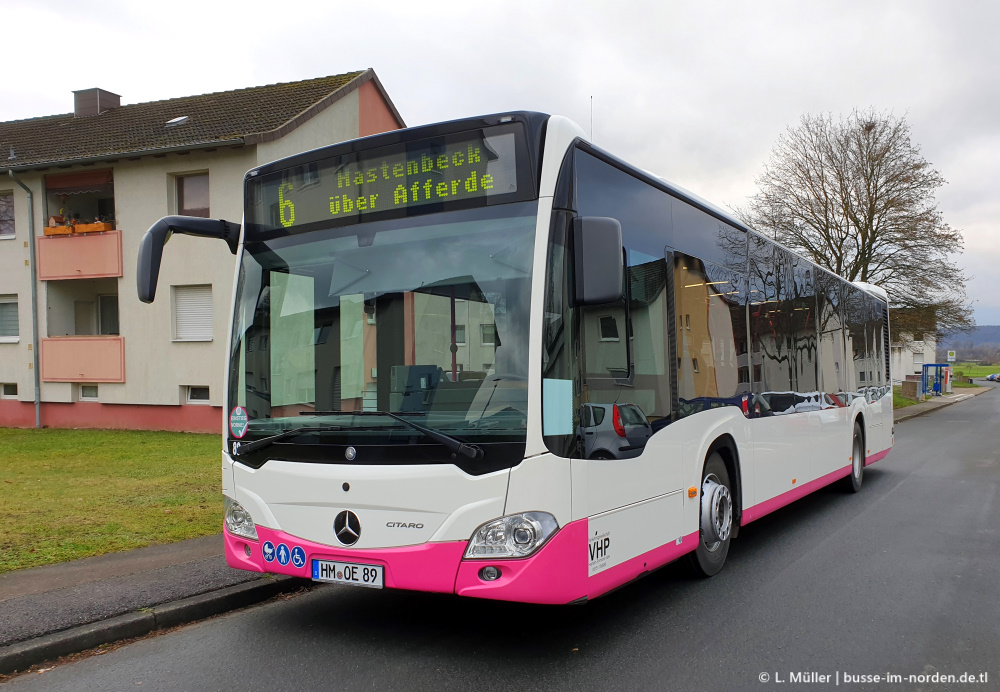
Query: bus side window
(712, 346)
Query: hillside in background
(982, 344)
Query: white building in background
(909, 354)
(100, 176)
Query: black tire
(853, 482)
(709, 557)
(601, 455)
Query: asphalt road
(903, 578)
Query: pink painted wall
(84, 256)
(83, 359)
(89, 414)
(374, 115)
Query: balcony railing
(83, 359)
(80, 256)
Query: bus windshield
(425, 317)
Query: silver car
(613, 431)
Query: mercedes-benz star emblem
(350, 453)
(347, 527)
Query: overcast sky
(697, 92)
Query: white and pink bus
(486, 357)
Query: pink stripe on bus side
(877, 456)
(767, 506)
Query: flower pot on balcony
(92, 227)
(58, 230)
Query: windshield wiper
(452, 443)
(248, 447)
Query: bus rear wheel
(715, 524)
(853, 483)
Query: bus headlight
(517, 535)
(238, 521)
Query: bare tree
(855, 196)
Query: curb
(906, 415)
(23, 655)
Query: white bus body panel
(301, 499)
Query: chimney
(94, 102)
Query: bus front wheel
(715, 524)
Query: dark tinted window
(856, 313)
(712, 345)
(702, 235)
(643, 211)
(782, 327)
(802, 320)
(598, 414)
(832, 362)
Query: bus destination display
(468, 166)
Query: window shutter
(8, 316)
(193, 313)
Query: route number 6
(286, 210)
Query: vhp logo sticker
(599, 548)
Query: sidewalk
(66, 608)
(928, 405)
(62, 609)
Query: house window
(694, 364)
(197, 395)
(8, 319)
(193, 318)
(6, 214)
(687, 321)
(8, 391)
(107, 315)
(88, 392)
(460, 335)
(489, 334)
(192, 195)
(609, 328)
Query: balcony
(80, 256)
(83, 359)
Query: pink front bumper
(557, 573)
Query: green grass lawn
(969, 370)
(67, 494)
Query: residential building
(99, 177)
(910, 352)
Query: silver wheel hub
(716, 512)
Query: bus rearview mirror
(598, 264)
(151, 247)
